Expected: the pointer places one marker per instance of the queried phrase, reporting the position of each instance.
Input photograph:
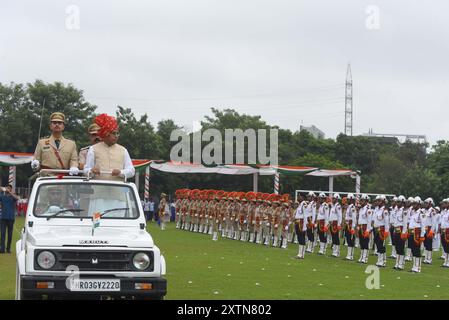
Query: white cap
(365, 197)
(336, 196)
(350, 196)
(322, 195)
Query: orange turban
(107, 124)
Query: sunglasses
(57, 122)
(115, 134)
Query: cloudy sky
(283, 60)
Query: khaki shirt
(45, 153)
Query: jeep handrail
(89, 174)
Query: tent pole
(357, 184)
(255, 181)
(331, 185)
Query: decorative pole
(276, 182)
(12, 177)
(146, 193)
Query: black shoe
(8, 251)
(2, 251)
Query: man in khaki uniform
(56, 152)
(94, 138)
(108, 155)
(162, 211)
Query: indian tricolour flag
(95, 221)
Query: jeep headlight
(46, 260)
(141, 261)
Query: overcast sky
(283, 60)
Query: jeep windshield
(82, 200)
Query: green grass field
(199, 268)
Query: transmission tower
(348, 102)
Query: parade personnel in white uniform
(108, 155)
(363, 220)
(408, 209)
(443, 229)
(429, 224)
(350, 226)
(300, 228)
(335, 220)
(322, 222)
(416, 229)
(400, 233)
(392, 219)
(380, 227)
(310, 218)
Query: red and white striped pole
(146, 193)
(12, 177)
(276, 182)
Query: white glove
(35, 165)
(74, 171)
(286, 228)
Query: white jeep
(87, 239)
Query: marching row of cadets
(412, 225)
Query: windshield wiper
(61, 211)
(111, 210)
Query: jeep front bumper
(31, 288)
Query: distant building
(397, 137)
(314, 131)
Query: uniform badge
(47, 142)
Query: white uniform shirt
(429, 218)
(444, 220)
(300, 211)
(311, 211)
(416, 221)
(336, 214)
(400, 219)
(300, 214)
(408, 212)
(380, 218)
(351, 214)
(365, 215)
(392, 215)
(323, 213)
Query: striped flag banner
(276, 182)
(95, 221)
(146, 193)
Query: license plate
(94, 285)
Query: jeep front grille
(95, 260)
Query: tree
(138, 135)
(164, 130)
